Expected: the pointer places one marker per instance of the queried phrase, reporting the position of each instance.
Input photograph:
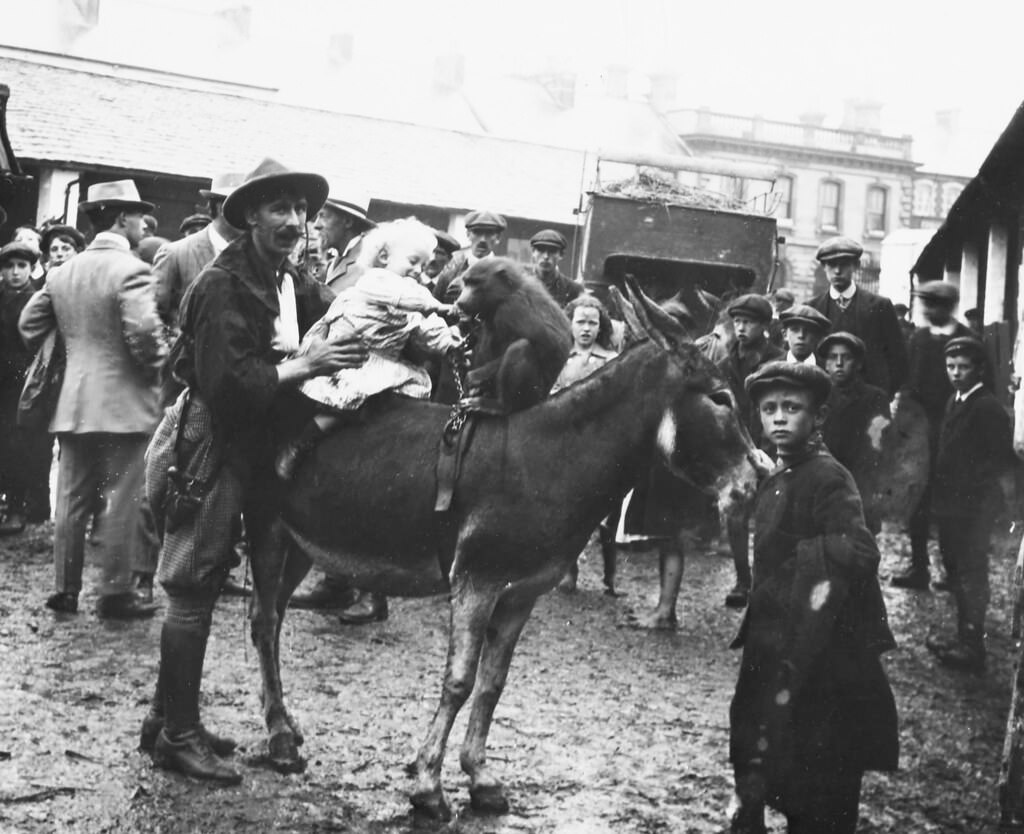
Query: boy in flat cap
(547, 248)
(974, 449)
(856, 412)
(929, 385)
(812, 709)
(863, 313)
(802, 329)
(750, 349)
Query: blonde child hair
(408, 231)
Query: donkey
(532, 487)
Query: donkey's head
(701, 435)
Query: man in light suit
(342, 224)
(868, 316)
(179, 263)
(103, 304)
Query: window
(924, 198)
(784, 196)
(830, 201)
(876, 205)
(950, 191)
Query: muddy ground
(602, 728)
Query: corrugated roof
(62, 115)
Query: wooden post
(969, 266)
(995, 274)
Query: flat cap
(782, 294)
(18, 249)
(961, 345)
(838, 248)
(792, 374)
(843, 337)
(447, 242)
(752, 306)
(485, 220)
(805, 314)
(549, 238)
(939, 291)
(195, 221)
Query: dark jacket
(872, 318)
(737, 367)
(975, 449)
(928, 382)
(811, 695)
(225, 351)
(851, 409)
(562, 288)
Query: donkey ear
(643, 307)
(624, 311)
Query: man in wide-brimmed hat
(341, 225)
(241, 321)
(178, 264)
(103, 303)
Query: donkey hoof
(284, 754)
(296, 730)
(432, 805)
(488, 799)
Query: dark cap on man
(485, 220)
(960, 346)
(806, 315)
(753, 306)
(447, 242)
(839, 249)
(18, 249)
(843, 337)
(267, 181)
(943, 292)
(791, 375)
(549, 239)
(51, 233)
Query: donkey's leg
(486, 791)
(471, 609)
(269, 557)
(296, 566)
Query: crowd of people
(230, 352)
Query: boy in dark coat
(975, 446)
(929, 385)
(750, 316)
(813, 709)
(857, 412)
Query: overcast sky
(776, 59)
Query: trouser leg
(737, 529)
(971, 579)
(77, 484)
(123, 487)
(831, 810)
(183, 639)
(918, 528)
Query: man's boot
(967, 653)
(371, 607)
(918, 577)
(181, 744)
(329, 592)
(153, 723)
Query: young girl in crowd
(388, 308)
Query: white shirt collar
(286, 325)
(120, 241)
(846, 294)
(810, 360)
(216, 238)
(963, 397)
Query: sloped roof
(82, 118)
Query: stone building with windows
(851, 180)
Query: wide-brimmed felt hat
(752, 306)
(843, 337)
(447, 242)
(118, 194)
(792, 374)
(839, 248)
(222, 185)
(954, 347)
(549, 239)
(50, 233)
(18, 249)
(352, 208)
(267, 180)
(943, 291)
(807, 315)
(483, 219)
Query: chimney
(663, 91)
(616, 81)
(862, 115)
(812, 118)
(339, 50)
(449, 72)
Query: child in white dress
(389, 309)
